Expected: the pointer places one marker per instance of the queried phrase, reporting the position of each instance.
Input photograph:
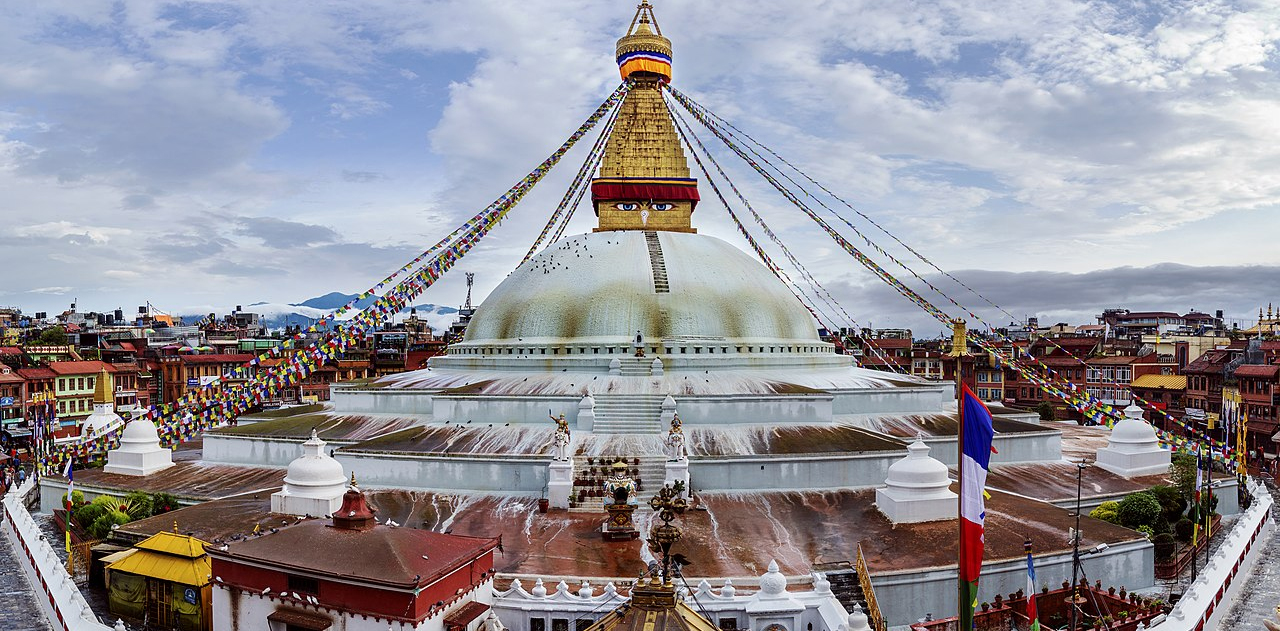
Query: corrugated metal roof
(166, 567)
(1168, 382)
(174, 543)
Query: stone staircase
(657, 264)
(652, 471)
(636, 366)
(847, 589)
(629, 413)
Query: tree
(1046, 411)
(163, 503)
(1138, 509)
(53, 336)
(1182, 473)
(1171, 501)
(140, 504)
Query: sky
(1058, 157)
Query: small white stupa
(917, 488)
(1134, 450)
(140, 452)
(314, 484)
(104, 407)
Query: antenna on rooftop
(471, 279)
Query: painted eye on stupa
(627, 206)
(662, 206)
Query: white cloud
(167, 143)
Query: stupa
(140, 452)
(315, 484)
(104, 407)
(588, 353)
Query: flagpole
(957, 351)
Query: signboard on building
(6, 400)
(208, 379)
(193, 382)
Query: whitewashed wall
(56, 593)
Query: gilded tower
(644, 181)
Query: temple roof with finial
(643, 48)
(354, 514)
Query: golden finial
(103, 392)
(353, 478)
(958, 338)
(175, 525)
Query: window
(729, 624)
(581, 624)
(559, 624)
(537, 624)
(303, 584)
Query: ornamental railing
(869, 593)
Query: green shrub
(1171, 501)
(87, 513)
(1106, 512)
(1164, 545)
(1046, 411)
(1183, 529)
(1147, 531)
(101, 526)
(140, 504)
(163, 503)
(77, 498)
(1138, 509)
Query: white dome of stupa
(917, 488)
(315, 469)
(314, 484)
(140, 431)
(1133, 430)
(1134, 448)
(918, 472)
(602, 285)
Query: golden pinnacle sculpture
(667, 503)
(644, 181)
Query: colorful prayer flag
(1032, 615)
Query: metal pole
(1075, 547)
(960, 590)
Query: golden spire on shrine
(644, 181)
(103, 390)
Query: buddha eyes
(627, 206)
(635, 206)
(662, 206)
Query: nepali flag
(976, 459)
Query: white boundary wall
(1208, 599)
(59, 598)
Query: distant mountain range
(277, 316)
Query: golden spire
(103, 390)
(644, 181)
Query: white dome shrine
(314, 484)
(917, 488)
(662, 284)
(140, 452)
(1134, 448)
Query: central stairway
(629, 413)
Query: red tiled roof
(11, 377)
(1257, 370)
(1210, 361)
(86, 367)
(398, 556)
(37, 373)
(10, 350)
